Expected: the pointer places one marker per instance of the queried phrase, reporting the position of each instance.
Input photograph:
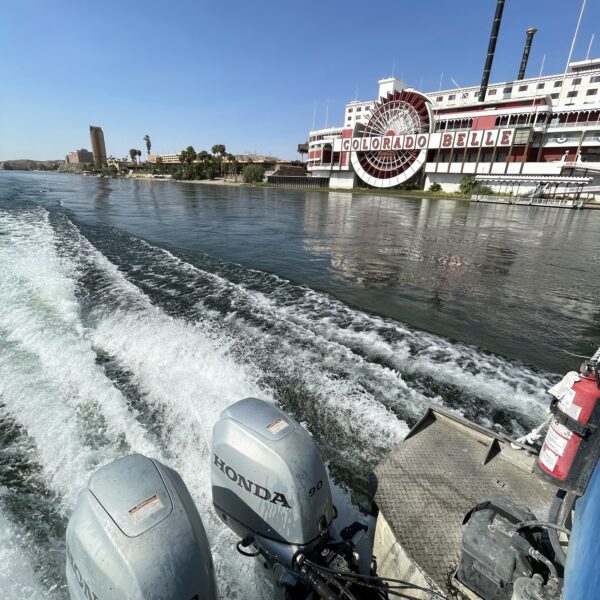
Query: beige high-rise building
(98, 147)
(78, 157)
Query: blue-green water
(133, 312)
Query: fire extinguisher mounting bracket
(580, 429)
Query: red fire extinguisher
(572, 445)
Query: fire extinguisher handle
(580, 429)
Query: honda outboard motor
(135, 534)
(268, 479)
(270, 486)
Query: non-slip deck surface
(427, 484)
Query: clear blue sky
(245, 74)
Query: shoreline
(422, 194)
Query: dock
(548, 191)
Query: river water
(133, 312)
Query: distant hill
(31, 165)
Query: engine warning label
(277, 426)
(146, 508)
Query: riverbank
(403, 193)
(378, 192)
(394, 193)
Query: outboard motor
(135, 534)
(270, 486)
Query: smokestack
(526, 50)
(491, 49)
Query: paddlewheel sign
(392, 146)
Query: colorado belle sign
(485, 138)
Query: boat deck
(427, 484)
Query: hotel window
(576, 81)
(595, 79)
(572, 94)
(492, 92)
(540, 86)
(439, 98)
(558, 84)
(592, 92)
(554, 96)
(451, 97)
(507, 90)
(358, 109)
(523, 88)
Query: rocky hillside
(31, 165)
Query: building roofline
(569, 75)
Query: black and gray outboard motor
(270, 486)
(135, 534)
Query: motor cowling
(135, 534)
(269, 481)
(572, 445)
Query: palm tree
(187, 158)
(139, 155)
(133, 154)
(232, 165)
(148, 143)
(220, 150)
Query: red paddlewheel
(400, 113)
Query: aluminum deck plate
(430, 480)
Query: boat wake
(111, 345)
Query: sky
(245, 74)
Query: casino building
(540, 133)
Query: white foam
(49, 380)
(359, 343)
(185, 375)
(17, 578)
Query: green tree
(148, 143)
(139, 157)
(187, 158)
(204, 157)
(160, 165)
(467, 185)
(219, 151)
(232, 165)
(435, 187)
(133, 154)
(253, 174)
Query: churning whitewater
(110, 345)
